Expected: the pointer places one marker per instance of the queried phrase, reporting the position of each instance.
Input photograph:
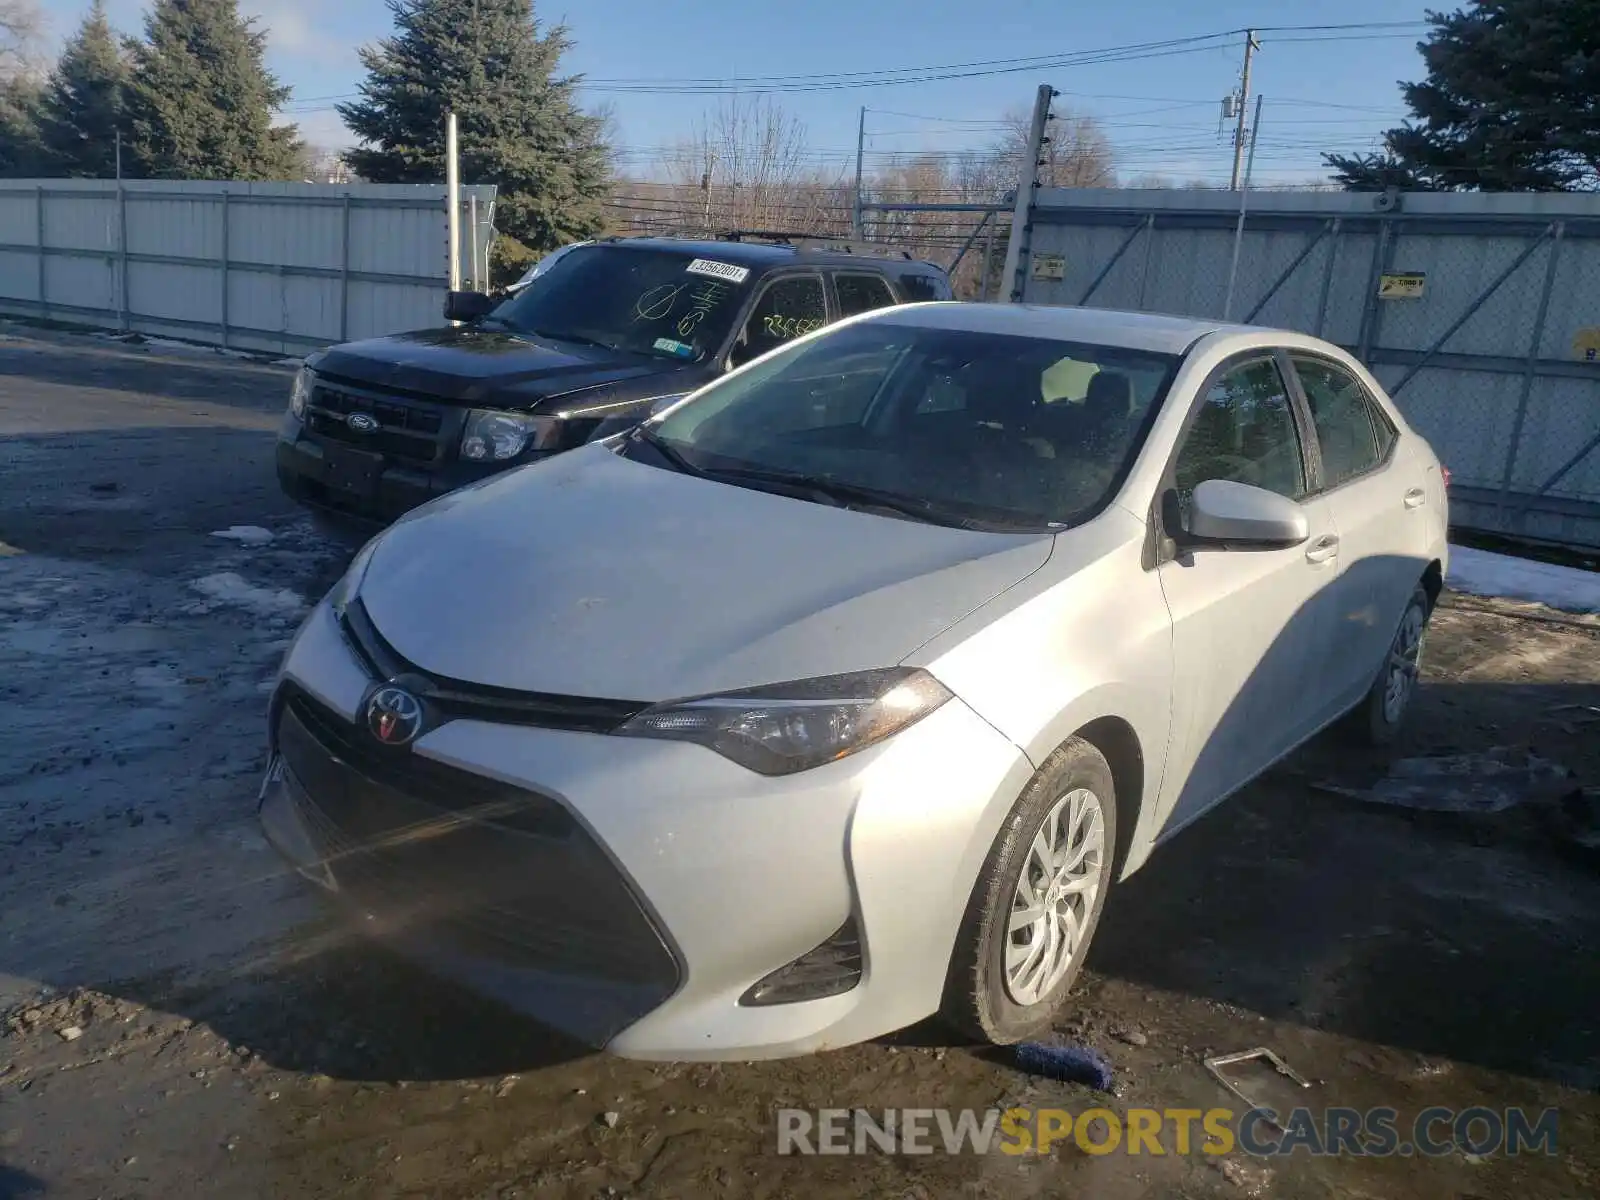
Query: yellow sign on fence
(1049, 266)
(1401, 285)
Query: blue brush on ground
(1070, 1064)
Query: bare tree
(21, 34)
(1078, 153)
(748, 166)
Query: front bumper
(704, 876)
(307, 475)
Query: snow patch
(250, 535)
(228, 587)
(1485, 574)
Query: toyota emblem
(394, 716)
(362, 422)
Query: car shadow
(17, 1184)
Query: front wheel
(1037, 901)
(1377, 720)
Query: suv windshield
(668, 303)
(945, 425)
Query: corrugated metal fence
(284, 267)
(1480, 314)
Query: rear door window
(918, 287)
(1343, 419)
(861, 293)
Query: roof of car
(766, 253)
(1098, 326)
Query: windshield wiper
(664, 448)
(846, 495)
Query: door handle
(1324, 548)
(1416, 498)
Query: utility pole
(119, 155)
(1238, 229)
(1011, 278)
(705, 188)
(1250, 48)
(452, 185)
(861, 145)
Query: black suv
(612, 330)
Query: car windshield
(667, 303)
(951, 426)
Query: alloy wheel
(1405, 662)
(1054, 896)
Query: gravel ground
(182, 1019)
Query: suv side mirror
(1226, 514)
(467, 306)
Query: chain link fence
(1479, 313)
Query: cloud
(296, 34)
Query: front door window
(788, 309)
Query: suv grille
(410, 428)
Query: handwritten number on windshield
(702, 300)
(657, 303)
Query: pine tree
(83, 100)
(22, 154)
(1511, 103)
(202, 99)
(519, 125)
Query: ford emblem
(362, 422)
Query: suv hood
(485, 367)
(592, 575)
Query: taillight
(1444, 472)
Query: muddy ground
(185, 1020)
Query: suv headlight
(300, 391)
(791, 727)
(493, 436)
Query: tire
(1378, 719)
(991, 994)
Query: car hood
(486, 367)
(592, 575)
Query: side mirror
(467, 306)
(1227, 514)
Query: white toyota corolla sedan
(841, 692)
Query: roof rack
(815, 243)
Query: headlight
(791, 727)
(350, 583)
(300, 391)
(492, 436)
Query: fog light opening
(831, 969)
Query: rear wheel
(1037, 901)
(1377, 720)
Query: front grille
(446, 698)
(410, 429)
(466, 863)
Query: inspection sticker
(718, 270)
(674, 347)
(1586, 344)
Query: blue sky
(1161, 113)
